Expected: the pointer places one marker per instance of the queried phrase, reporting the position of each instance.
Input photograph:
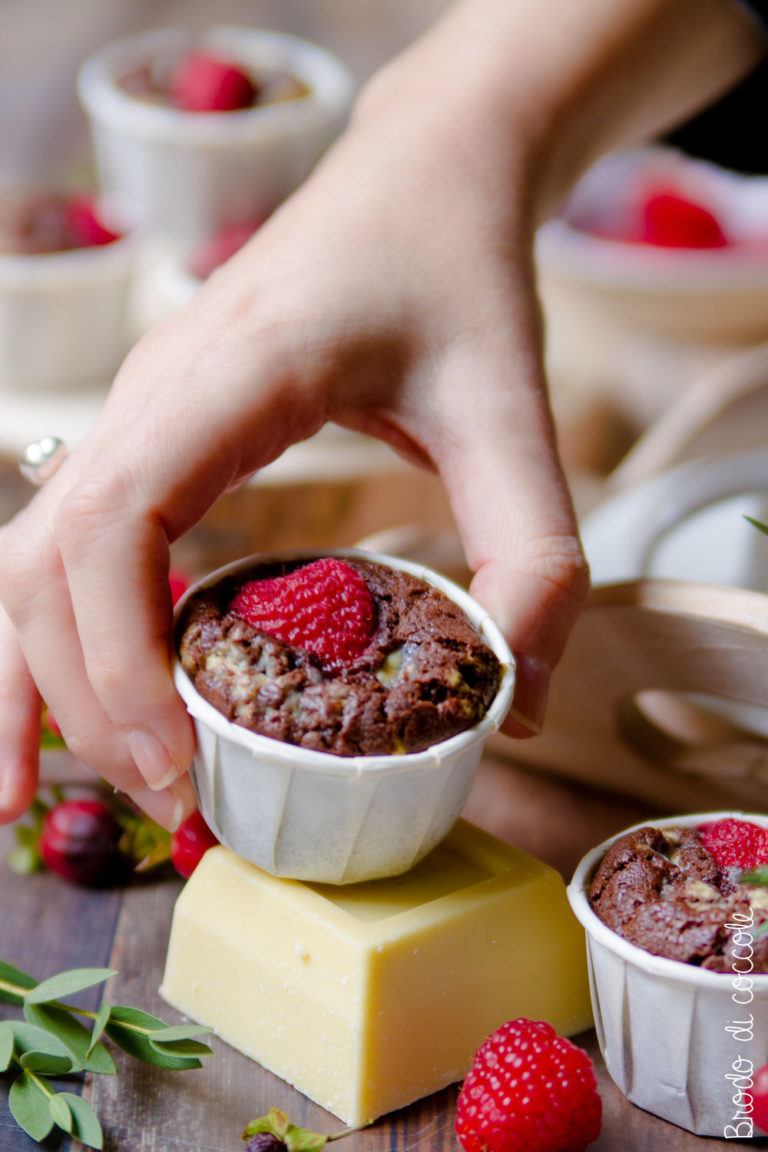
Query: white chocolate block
(369, 996)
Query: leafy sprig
(274, 1132)
(55, 1039)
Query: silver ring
(41, 458)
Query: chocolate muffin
(421, 674)
(664, 891)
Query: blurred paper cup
(63, 316)
(680, 1041)
(189, 174)
(314, 816)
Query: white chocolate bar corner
(369, 996)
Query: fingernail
(531, 691)
(152, 759)
(169, 807)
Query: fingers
(121, 748)
(19, 727)
(517, 523)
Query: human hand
(393, 294)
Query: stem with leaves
(50, 1041)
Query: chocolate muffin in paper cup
(681, 1039)
(356, 770)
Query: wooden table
(47, 925)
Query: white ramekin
(678, 1040)
(313, 816)
(191, 174)
(64, 316)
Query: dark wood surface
(47, 925)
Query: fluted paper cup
(63, 316)
(315, 816)
(189, 175)
(679, 1041)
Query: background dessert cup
(190, 174)
(314, 816)
(80, 301)
(677, 1039)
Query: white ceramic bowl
(678, 1040)
(64, 316)
(314, 816)
(707, 294)
(191, 174)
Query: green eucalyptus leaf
(180, 1032)
(135, 1019)
(180, 1047)
(48, 1064)
(6, 1045)
(60, 1112)
(30, 1038)
(131, 1029)
(28, 1103)
(98, 1028)
(92, 1056)
(85, 1123)
(67, 983)
(758, 524)
(18, 979)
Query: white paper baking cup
(679, 1041)
(191, 174)
(64, 316)
(313, 816)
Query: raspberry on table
(189, 843)
(528, 1090)
(760, 1098)
(736, 843)
(206, 83)
(324, 607)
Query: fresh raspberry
(206, 83)
(179, 584)
(223, 245)
(670, 220)
(759, 1092)
(736, 843)
(325, 607)
(528, 1090)
(189, 843)
(88, 230)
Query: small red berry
(528, 1090)
(218, 250)
(760, 1098)
(86, 227)
(179, 584)
(206, 83)
(189, 843)
(80, 842)
(324, 607)
(736, 843)
(670, 220)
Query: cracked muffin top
(347, 657)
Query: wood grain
(48, 925)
